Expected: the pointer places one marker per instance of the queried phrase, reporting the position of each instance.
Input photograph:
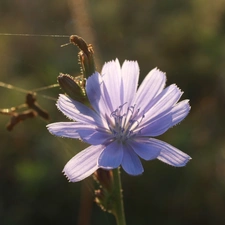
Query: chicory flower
(122, 122)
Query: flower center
(123, 122)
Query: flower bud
(72, 88)
(104, 178)
(104, 196)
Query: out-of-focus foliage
(184, 38)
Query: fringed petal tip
(64, 173)
(180, 111)
(83, 164)
(186, 161)
(156, 69)
(187, 103)
(50, 129)
(112, 63)
(177, 161)
(135, 62)
(61, 97)
(64, 129)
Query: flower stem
(118, 209)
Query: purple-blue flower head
(123, 121)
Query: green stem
(118, 209)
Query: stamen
(123, 125)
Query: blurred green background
(186, 39)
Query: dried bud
(19, 117)
(86, 55)
(31, 102)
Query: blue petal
(93, 90)
(162, 122)
(131, 163)
(170, 154)
(83, 164)
(77, 111)
(111, 157)
(111, 77)
(64, 129)
(151, 86)
(180, 111)
(130, 75)
(143, 147)
(97, 95)
(93, 136)
(163, 103)
(157, 126)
